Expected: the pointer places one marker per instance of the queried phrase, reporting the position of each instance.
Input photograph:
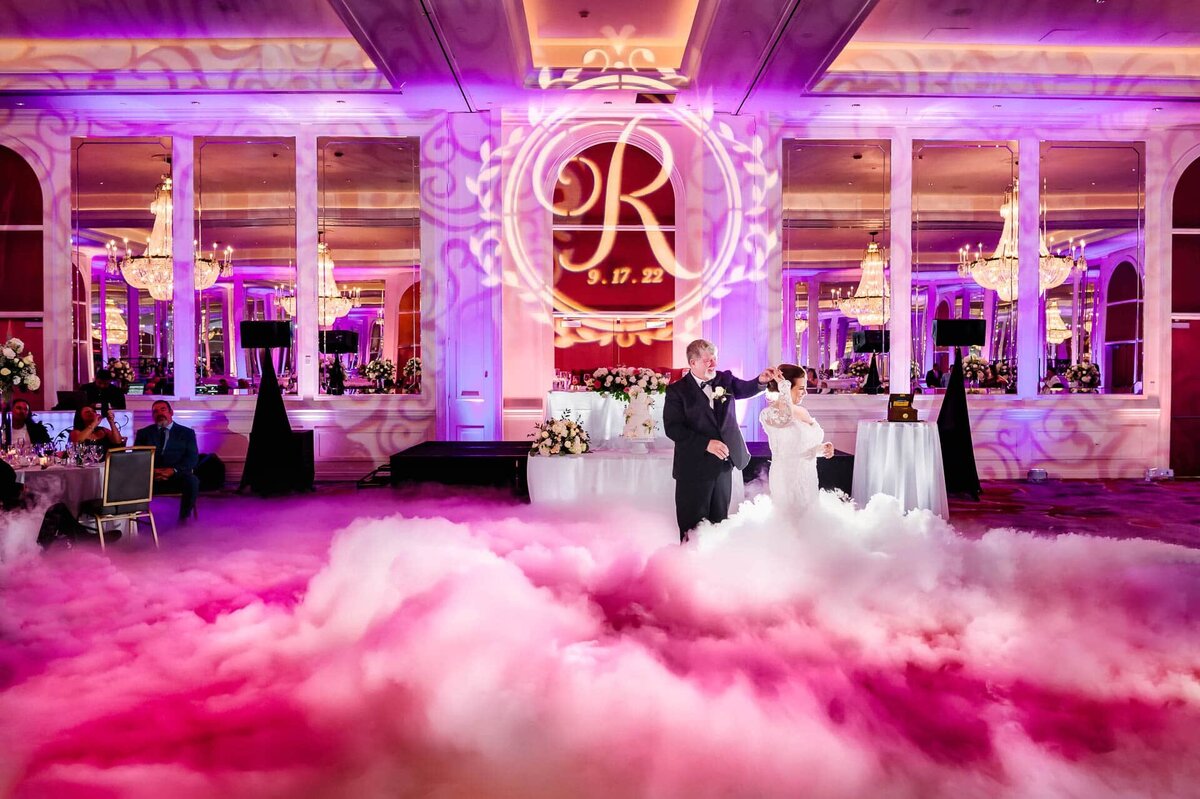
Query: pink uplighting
(457, 645)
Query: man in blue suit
(175, 456)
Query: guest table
(602, 416)
(902, 460)
(641, 479)
(70, 485)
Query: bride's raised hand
(827, 450)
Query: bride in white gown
(796, 442)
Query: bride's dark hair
(791, 372)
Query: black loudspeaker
(872, 341)
(266, 335)
(338, 342)
(959, 332)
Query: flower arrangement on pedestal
(381, 370)
(121, 371)
(18, 372)
(974, 369)
(1084, 376)
(412, 371)
(859, 369)
(563, 436)
(617, 382)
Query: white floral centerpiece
(381, 370)
(1084, 376)
(859, 369)
(563, 436)
(412, 370)
(121, 371)
(617, 382)
(974, 368)
(17, 369)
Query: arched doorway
(1185, 324)
(1123, 331)
(22, 300)
(408, 341)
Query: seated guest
(945, 379)
(24, 429)
(1052, 382)
(933, 378)
(86, 429)
(175, 456)
(103, 392)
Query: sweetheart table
(612, 475)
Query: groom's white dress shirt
(708, 392)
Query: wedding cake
(639, 423)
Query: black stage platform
(501, 464)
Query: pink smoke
(469, 647)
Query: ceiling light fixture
(871, 302)
(998, 272)
(154, 269)
(332, 302)
(1056, 327)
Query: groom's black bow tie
(705, 384)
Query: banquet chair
(128, 489)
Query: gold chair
(128, 489)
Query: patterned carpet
(1164, 511)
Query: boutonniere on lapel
(719, 395)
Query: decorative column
(1028, 346)
(183, 225)
(814, 323)
(307, 359)
(901, 261)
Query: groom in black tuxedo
(699, 417)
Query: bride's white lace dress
(795, 446)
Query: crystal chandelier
(332, 302)
(998, 272)
(1056, 327)
(115, 328)
(871, 302)
(154, 269)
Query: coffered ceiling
(422, 56)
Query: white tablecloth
(70, 485)
(903, 460)
(641, 479)
(602, 416)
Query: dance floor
(455, 643)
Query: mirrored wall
(964, 203)
(245, 251)
(1091, 266)
(835, 266)
(121, 208)
(369, 265)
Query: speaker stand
(954, 430)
